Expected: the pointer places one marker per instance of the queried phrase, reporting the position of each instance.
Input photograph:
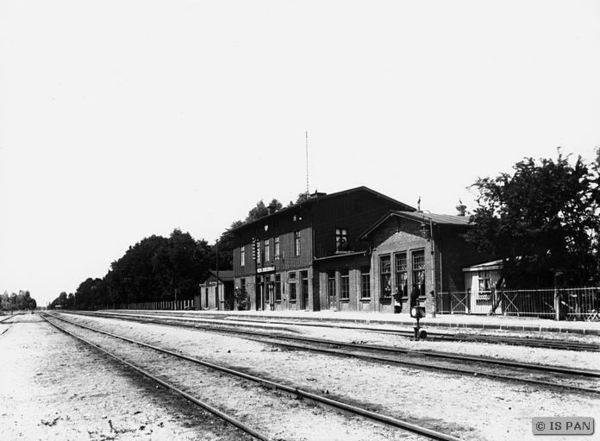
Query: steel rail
(433, 434)
(432, 354)
(444, 336)
(178, 391)
(458, 357)
(492, 339)
(432, 367)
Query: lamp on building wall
(425, 231)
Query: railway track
(527, 341)
(209, 378)
(458, 337)
(578, 380)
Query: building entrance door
(260, 294)
(304, 285)
(331, 300)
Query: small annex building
(217, 292)
(480, 281)
(417, 251)
(308, 256)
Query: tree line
(161, 269)
(16, 302)
(542, 221)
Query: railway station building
(350, 251)
(309, 256)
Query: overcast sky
(123, 119)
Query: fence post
(556, 305)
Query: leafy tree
(257, 212)
(62, 299)
(4, 301)
(261, 210)
(274, 206)
(181, 263)
(543, 220)
(302, 197)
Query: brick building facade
(308, 256)
(416, 251)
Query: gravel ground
(52, 388)
(49, 370)
(475, 408)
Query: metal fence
(557, 304)
(168, 305)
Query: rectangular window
(341, 239)
(418, 271)
(484, 281)
(278, 288)
(385, 270)
(296, 243)
(242, 256)
(485, 285)
(258, 252)
(402, 274)
(345, 284)
(267, 251)
(277, 251)
(365, 283)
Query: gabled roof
(441, 219)
(224, 275)
(493, 265)
(419, 216)
(320, 198)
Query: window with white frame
(277, 250)
(267, 251)
(365, 283)
(418, 271)
(296, 243)
(385, 272)
(242, 256)
(402, 274)
(485, 284)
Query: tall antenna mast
(307, 188)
